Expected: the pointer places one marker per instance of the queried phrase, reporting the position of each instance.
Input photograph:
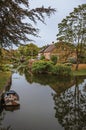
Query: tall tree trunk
(77, 54)
(77, 59)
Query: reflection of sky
(81, 86)
(36, 107)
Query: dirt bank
(81, 66)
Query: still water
(46, 103)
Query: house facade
(49, 51)
(63, 51)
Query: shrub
(60, 69)
(54, 59)
(72, 60)
(68, 64)
(41, 66)
(42, 57)
(48, 67)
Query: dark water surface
(47, 103)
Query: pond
(46, 103)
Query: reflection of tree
(58, 84)
(70, 107)
(8, 128)
(22, 67)
(2, 116)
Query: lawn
(81, 70)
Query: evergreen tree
(13, 28)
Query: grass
(81, 72)
(4, 77)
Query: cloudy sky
(48, 32)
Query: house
(65, 51)
(41, 52)
(49, 51)
(62, 50)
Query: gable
(50, 48)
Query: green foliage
(72, 29)
(72, 60)
(54, 59)
(31, 50)
(48, 67)
(21, 50)
(68, 64)
(42, 57)
(1, 67)
(62, 70)
(42, 66)
(6, 67)
(0, 52)
(28, 50)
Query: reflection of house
(62, 50)
(62, 84)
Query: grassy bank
(4, 77)
(81, 70)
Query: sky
(49, 31)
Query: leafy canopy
(72, 29)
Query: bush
(5, 67)
(48, 67)
(72, 60)
(60, 69)
(42, 57)
(68, 64)
(54, 59)
(41, 66)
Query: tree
(21, 50)
(13, 28)
(72, 29)
(31, 50)
(28, 50)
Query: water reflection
(12, 108)
(59, 106)
(2, 116)
(8, 128)
(58, 84)
(69, 99)
(70, 106)
(3, 110)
